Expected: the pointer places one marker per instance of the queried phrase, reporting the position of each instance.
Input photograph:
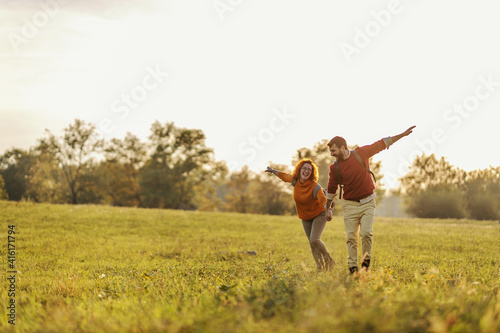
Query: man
(356, 182)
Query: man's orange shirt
(307, 207)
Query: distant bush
(483, 194)
(437, 202)
(437, 189)
(3, 193)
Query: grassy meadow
(111, 269)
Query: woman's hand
(269, 169)
(329, 213)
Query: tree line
(175, 169)
(434, 188)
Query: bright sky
(260, 78)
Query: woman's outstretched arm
(281, 175)
(271, 170)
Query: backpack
(315, 191)
(339, 176)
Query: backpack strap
(315, 191)
(356, 154)
(339, 177)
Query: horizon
(261, 80)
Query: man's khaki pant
(358, 218)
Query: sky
(260, 78)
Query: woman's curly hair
(296, 171)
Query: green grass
(108, 269)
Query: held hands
(329, 210)
(329, 214)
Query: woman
(310, 210)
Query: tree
(15, 166)
(45, 181)
(120, 172)
(75, 153)
(3, 193)
(272, 195)
(238, 196)
(428, 171)
(208, 191)
(483, 194)
(434, 188)
(179, 163)
(247, 192)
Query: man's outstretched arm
(392, 139)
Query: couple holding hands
(350, 172)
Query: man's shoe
(366, 264)
(353, 270)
